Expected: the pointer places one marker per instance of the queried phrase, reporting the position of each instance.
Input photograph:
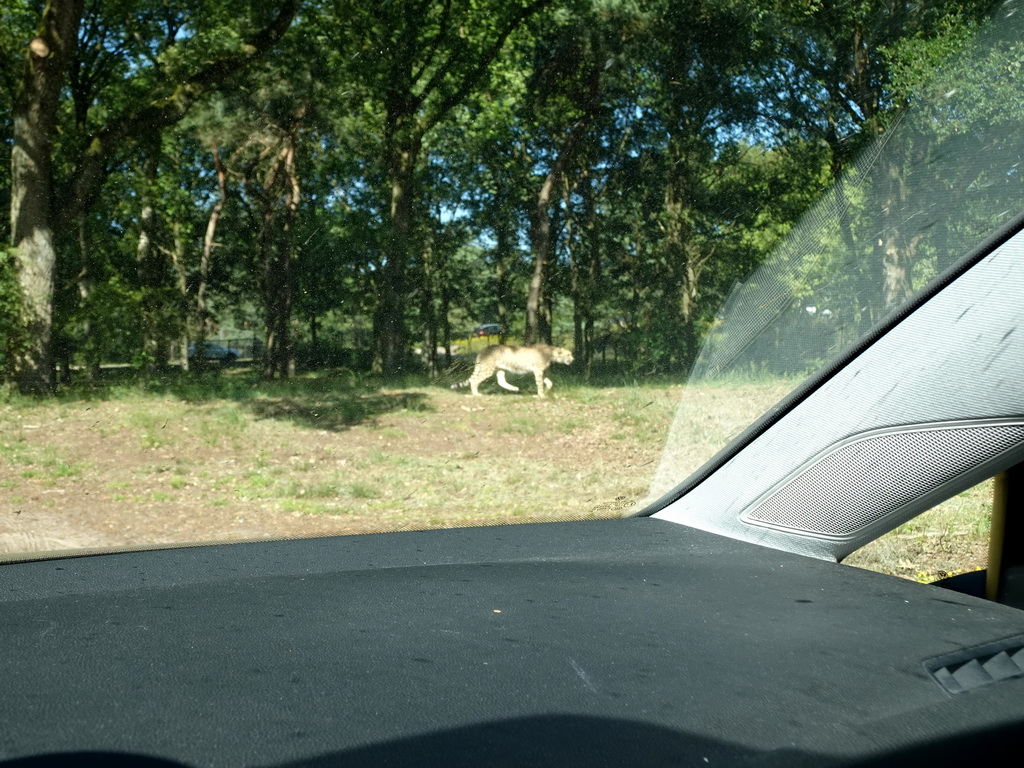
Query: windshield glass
(287, 269)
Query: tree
(48, 56)
(170, 74)
(574, 59)
(419, 60)
(657, 210)
(841, 56)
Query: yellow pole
(996, 535)
(1003, 579)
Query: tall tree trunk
(86, 282)
(540, 241)
(593, 280)
(278, 285)
(689, 292)
(501, 268)
(576, 288)
(32, 230)
(897, 243)
(287, 247)
(585, 270)
(446, 327)
(389, 314)
(538, 304)
(202, 308)
(209, 241)
(151, 273)
(428, 312)
(178, 256)
(424, 85)
(584, 265)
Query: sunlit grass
(362, 491)
(359, 453)
(948, 539)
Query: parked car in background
(211, 350)
(487, 329)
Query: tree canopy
(345, 182)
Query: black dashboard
(627, 642)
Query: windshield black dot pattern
(863, 481)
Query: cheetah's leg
(503, 383)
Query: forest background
(345, 181)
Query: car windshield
(293, 269)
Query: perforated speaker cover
(874, 475)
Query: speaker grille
(872, 476)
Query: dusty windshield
(288, 269)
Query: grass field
(226, 458)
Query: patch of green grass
(259, 480)
(65, 469)
(523, 424)
(377, 456)
(293, 505)
(322, 489)
(571, 424)
(315, 508)
(319, 490)
(230, 414)
(582, 394)
(362, 491)
(14, 446)
(225, 482)
(151, 424)
(49, 461)
(220, 423)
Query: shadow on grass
(336, 411)
(333, 399)
(242, 382)
(330, 400)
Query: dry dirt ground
(160, 470)
(152, 469)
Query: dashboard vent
(872, 476)
(965, 671)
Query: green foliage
(10, 308)
(700, 134)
